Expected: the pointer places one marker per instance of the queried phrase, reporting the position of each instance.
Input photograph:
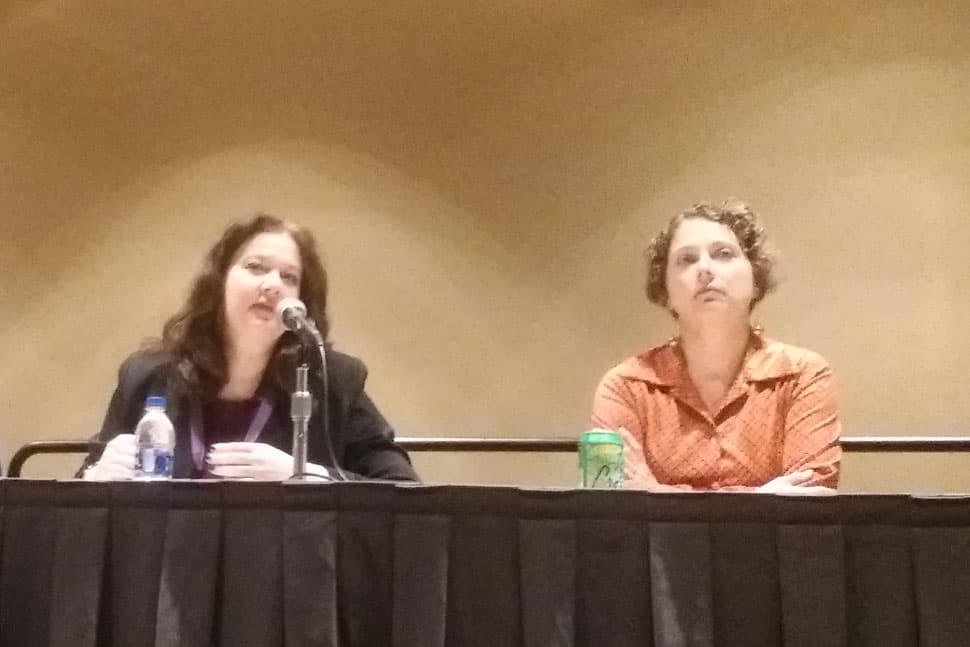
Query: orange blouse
(778, 417)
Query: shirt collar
(666, 366)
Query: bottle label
(154, 463)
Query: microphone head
(292, 312)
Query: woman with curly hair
(226, 366)
(720, 407)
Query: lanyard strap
(256, 427)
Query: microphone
(292, 313)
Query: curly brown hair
(737, 217)
(193, 338)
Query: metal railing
(856, 444)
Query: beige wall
(482, 176)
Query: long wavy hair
(194, 337)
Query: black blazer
(363, 441)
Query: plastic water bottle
(154, 442)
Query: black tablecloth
(235, 564)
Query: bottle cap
(155, 401)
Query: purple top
(225, 421)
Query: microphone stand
(301, 405)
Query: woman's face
(707, 272)
(266, 269)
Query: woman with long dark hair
(226, 366)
